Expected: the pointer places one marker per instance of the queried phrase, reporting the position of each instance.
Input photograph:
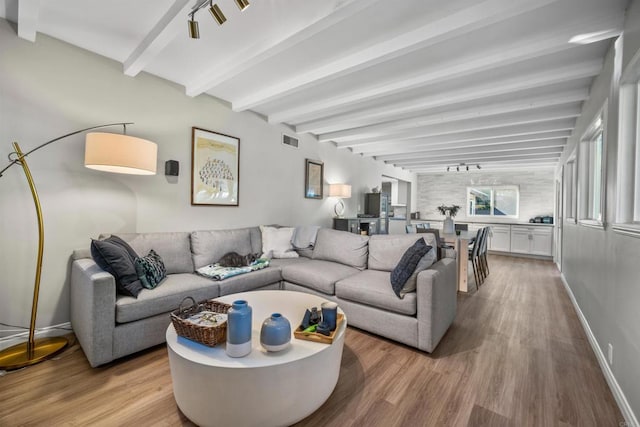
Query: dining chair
(442, 246)
(422, 226)
(410, 229)
(474, 252)
(483, 252)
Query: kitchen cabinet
(531, 240)
(500, 238)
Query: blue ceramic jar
(275, 333)
(239, 329)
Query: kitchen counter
(526, 223)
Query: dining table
(461, 244)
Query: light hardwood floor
(515, 356)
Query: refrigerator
(376, 205)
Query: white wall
(600, 265)
(50, 88)
(450, 188)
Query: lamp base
(339, 209)
(18, 356)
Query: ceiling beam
(469, 140)
(506, 120)
(266, 49)
(480, 159)
(480, 15)
(172, 23)
(461, 157)
(530, 103)
(476, 148)
(28, 11)
(494, 88)
(489, 59)
(498, 167)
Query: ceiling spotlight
(478, 166)
(242, 4)
(447, 168)
(457, 168)
(467, 168)
(217, 14)
(194, 32)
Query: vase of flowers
(449, 212)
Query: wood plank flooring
(515, 356)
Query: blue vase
(239, 329)
(275, 333)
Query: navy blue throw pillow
(408, 264)
(117, 258)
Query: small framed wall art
(313, 179)
(215, 168)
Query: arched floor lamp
(108, 152)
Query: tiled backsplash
(536, 191)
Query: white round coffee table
(261, 389)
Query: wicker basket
(207, 335)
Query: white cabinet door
(520, 241)
(542, 241)
(501, 239)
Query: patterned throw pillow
(407, 265)
(151, 270)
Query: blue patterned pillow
(407, 265)
(151, 270)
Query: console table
(366, 226)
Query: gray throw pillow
(150, 269)
(407, 265)
(116, 257)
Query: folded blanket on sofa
(304, 236)
(217, 272)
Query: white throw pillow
(276, 242)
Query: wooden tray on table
(316, 337)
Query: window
(493, 201)
(591, 172)
(570, 189)
(628, 162)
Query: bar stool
(474, 257)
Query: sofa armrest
(93, 305)
(437, 302)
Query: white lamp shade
(111, 152)
(342, 191)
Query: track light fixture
(194, 32)
(242, 4)
(463, 166)
(215, 11)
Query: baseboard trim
(618, 394)
(49, 331)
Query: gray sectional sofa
(350, 269)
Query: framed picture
(215, 168)
(313, 179)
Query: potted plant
(449, 212)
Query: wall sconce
(341, 191)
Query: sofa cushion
(343, 247)
(166, 297)
(211, 245)
(371, 287)
(407, 265)
(316, 274)
(249, 281)
(173, 247)
(276, 242)
(282, 262)
(386, 250)
(116, 257)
